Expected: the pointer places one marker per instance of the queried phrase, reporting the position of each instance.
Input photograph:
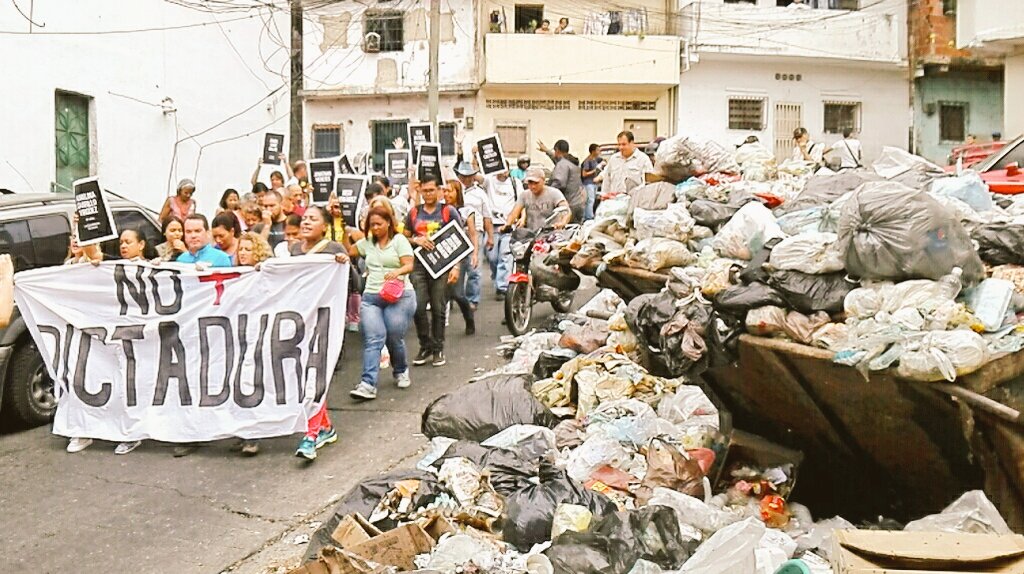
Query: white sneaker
(364, 391)
(403, 380)
(127, 447)
(78, 444)
(385, 358)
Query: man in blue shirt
(197, 241)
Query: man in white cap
(476, 199)
(538, 205)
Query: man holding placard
(476, 199)
(422, 222)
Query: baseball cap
(534, 174)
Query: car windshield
(1001, 158)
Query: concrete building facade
(758, 68)
(140, 94)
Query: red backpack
(446, 215)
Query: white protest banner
(173, 354)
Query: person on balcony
(545, 28)
(564, 27)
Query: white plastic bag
(972, 513)
(766, 321)
(687, 407)
(656, 253)
(693, 512)
(731, 550)
(516, 434)
(810, 252)
(748, 230)
(613, 208)
(606, 301)
(968, 188)
(773, 550)
(595, 452)
(943, 355)
(894, 161)
(674, 222)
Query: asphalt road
(215, 511)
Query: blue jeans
(473, 279)
(500, 257)
(382, 324)
(591, 188)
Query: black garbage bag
(808, 293)
(510, 469)
(365, 496)
(613, 545)
(739, 299)
(550, 361)
(755, 271)
(824, 189)
(889, 231)
(673, 337)
(1000, 243)
(529, 513)
(711, 213)
(484, 408)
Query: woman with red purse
(389, 301)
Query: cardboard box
(880, 552)
(335, 561)
(750, 449)
(397, 547)
(353, 530)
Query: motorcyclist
(539, 204)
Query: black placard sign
(345, 166)
(396, 166)
(451, 245)
(321, 179)
(95, 222)
(273, 146)
(350, 189)
(491, 154)
(419, 134)
(429, 162)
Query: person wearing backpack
(422, 222)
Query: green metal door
(384, 133)
(72, 138)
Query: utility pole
(296, 122)
(435, 39)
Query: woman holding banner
(389, 301)
(316, 222)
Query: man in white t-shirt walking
(503, 190)
(846, 152)
(476, 198)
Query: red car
(1002, 170)
(974, 153)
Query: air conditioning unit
(371, 42)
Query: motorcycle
(533, 279)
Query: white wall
(876, 33)
(207, 78)
(1013, 112)
(990, 24)
(335, 60)
(705, 89)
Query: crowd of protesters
(389, 289)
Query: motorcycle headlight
(519, 250)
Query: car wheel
(29, 396)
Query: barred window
(747, 113)
(515, 137)
(512, 104)
(840, 116)
(627, 105)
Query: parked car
(35, 229)
(1002, 170)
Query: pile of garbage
(898, 266)
(574, 459)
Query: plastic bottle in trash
(950, 285)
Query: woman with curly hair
(253, 249)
